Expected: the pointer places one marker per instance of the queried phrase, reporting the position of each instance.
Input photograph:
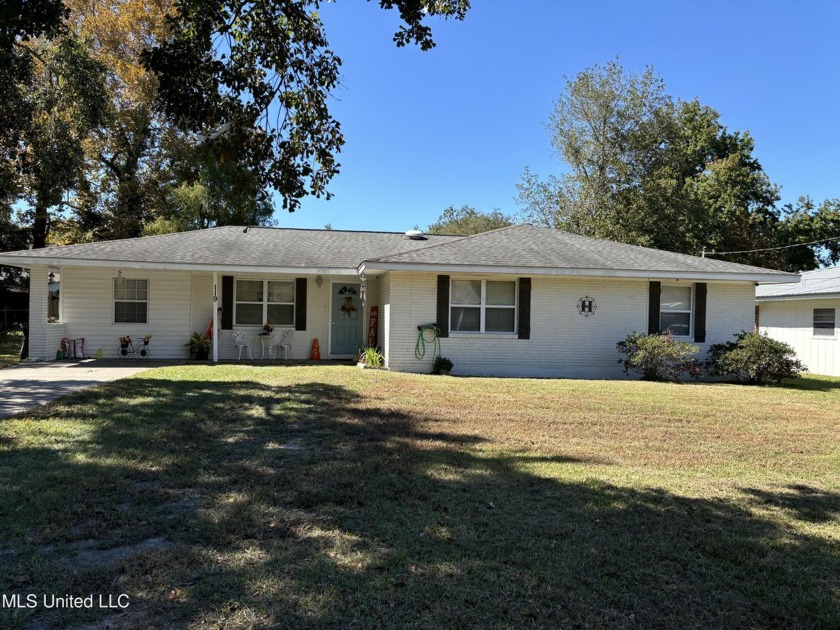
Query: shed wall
(791, 321)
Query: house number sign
(586, 306)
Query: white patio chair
(240, 343)
(285, 344)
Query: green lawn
(10, 347)
(242, 497)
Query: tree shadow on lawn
(303, 506)
(814, 383)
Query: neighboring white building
(804, 315)
(520, 301)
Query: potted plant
(442, 366)
(199, 346)
(370, 358)
(267, 329)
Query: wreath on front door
(348, 307)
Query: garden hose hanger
(429, 333)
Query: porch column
(38, 298)
(215, 317)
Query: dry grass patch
(331, 496)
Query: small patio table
(266, 339)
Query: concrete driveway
(28, 385)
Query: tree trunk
(40, 228)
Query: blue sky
(458, 125)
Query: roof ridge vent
(415, 235)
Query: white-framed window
(258, 302)
(131, 300)
(675, 310)
(825, 319)
(482, 306)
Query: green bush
(754, 358)
(442, 365)
(371, 357)
(659, 357)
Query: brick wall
(563, 343)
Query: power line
(768, 249)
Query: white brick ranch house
(520, 301)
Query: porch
(102, 304)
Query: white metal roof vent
(415, 235)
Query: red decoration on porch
(316, 350)
(372, 326)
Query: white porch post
(215, 317)
(40, 347)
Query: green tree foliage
(12, 237)
(212, 191)
(260, 73)
(467, 220)
(63, 98)
(21, 20)
(650, 170)
(235, 107)
(129, 160)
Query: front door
(346, 319)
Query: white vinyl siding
(180, 302)
(793, 320)
(87, 295)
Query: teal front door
(347, 317)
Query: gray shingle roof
(232, 246)
(819, 283)
(529, 246)
(519, 246)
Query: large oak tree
(647, 169)
(260, 72)
(212, 105)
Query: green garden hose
(420, 346)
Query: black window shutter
(300, 303)
(700, 312)
(443, 306)
(653, 307)
(524, 308)
(227, 302)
